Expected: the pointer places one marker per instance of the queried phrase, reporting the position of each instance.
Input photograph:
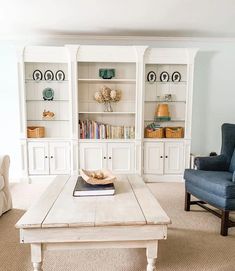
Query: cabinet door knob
(166, 156)
(46, 156)
(110, 157)
(104, 157)
(161, 156)
(52, 156)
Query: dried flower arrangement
(106, 96)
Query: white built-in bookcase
(155, 94)
(62, 151)
(35, 105)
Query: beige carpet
(193, 240)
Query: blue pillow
(232, 163)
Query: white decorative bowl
(87, 176)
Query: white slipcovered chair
(5, 195)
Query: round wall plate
(48, 94)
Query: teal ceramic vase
(107, 73)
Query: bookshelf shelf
(106, 81)
(172, 120)
(107, 113)
(155, 101)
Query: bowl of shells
(97, 177)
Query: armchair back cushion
(232, 163)
(228, 144)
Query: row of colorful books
(90, 129)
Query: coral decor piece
(106, 96)
(48, 115)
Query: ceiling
(161, 18)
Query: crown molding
(39, 38)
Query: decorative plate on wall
(48, 94)
(151, 77)
(60, 76)
(48, 75)
(37, 75)
(164, 77)
(176, 77)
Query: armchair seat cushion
(218, 183)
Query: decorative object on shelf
(151, 77)
(176, 77)
(37, 75)
(107, 73)
(59, 76)
(164, 76)
(168, 97)
(162, 113)
(48, 115)
(35, 131)
(153, 130)
(174, 132)
(97, 177)
(48, 75)
(106, 96)
(48, 94)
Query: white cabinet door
(38, 158)
(153, 157)
(174, 157)
(121, 157)
(93, 156)
(59, 157)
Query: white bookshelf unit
(122, 149)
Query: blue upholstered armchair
(213, 182)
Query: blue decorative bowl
(107, 73)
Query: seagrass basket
(174, 132)
(159, 133)
(35, 131)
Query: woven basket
(35, 131)
(159, 133)
(174, 132)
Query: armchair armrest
(212, 163)
(4, 173)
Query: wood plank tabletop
(132, 204)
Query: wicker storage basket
(35, 131)
(159, 133)
(174, 132)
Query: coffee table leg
(36, 256)
(151, 252)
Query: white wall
(9, 114)
(214, 93)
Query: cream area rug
(193, 243)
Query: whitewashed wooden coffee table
(132, 218)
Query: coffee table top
(133, 204)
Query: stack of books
(90, 129)
(82, 188)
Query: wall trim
(62, 37)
